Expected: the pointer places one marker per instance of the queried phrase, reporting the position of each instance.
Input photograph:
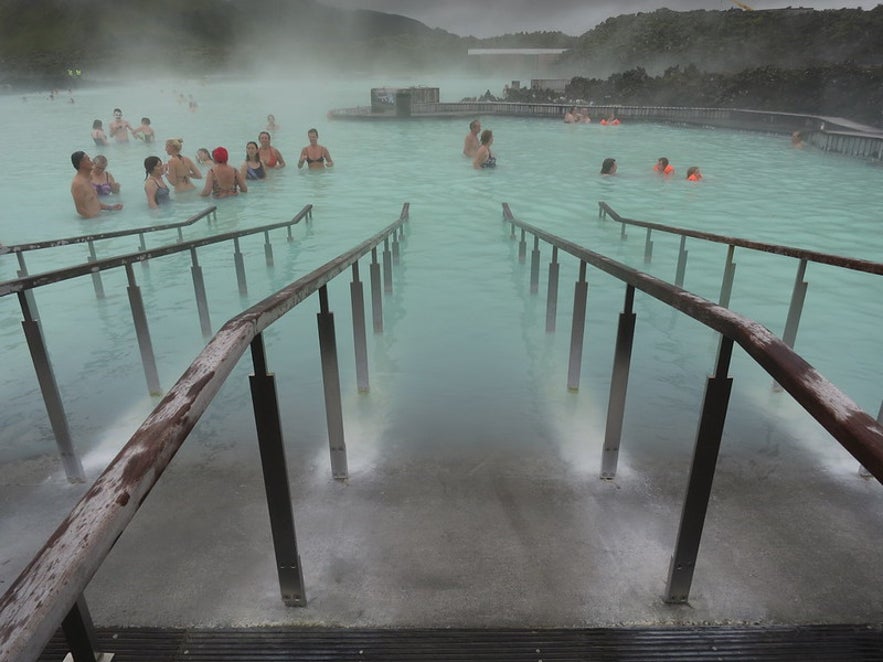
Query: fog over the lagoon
(489, 18)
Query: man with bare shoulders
(85, 198)
(120, 128)
(471, 144)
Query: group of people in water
(93, 183)
(662, 167)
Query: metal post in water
(580, 293)
(535, 266)
(864, 473)
(708, 439)
(798, 296)
(79, 631)
(622, 234)
(360, 343)
(73, 468)
(395, 246)
(682, 262)
(552, 292)
(240, 268)
(729, 275)
(201, 302)
(618, 386)
(387, 267)
(331, 381)
(648, 248)
(269, 430)
(142, 246)
(522, 247)
(143, 334)
(376, 297)
(180, 235)
(268, 248)
(29, 293)
(96, 275)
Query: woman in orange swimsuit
(269, 155)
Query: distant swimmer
(271, 123)
(98, 134)
(663, 167)
(85, 198)
(571, 116)
(610, 120)
(314, 155)
(223, 180)
(471, 143)
(270, 156)
(483, 157)
(154, 187)
(797, 140)
(145, 131)
(180, 170)
(252, 168)
(102, 181)
(119, 128)
(693, 174)
(608, 167)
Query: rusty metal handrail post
(798, 296)
(79, 631)
(331, 383)
(522, 247)
(268, 248)
(239, 262)
(205, 323)
(535, 266)
(96, 275)
(360, 342)
(648, 248)
(142, 332)
(275, 469)
(708, 440)
(681, 269)
(387, 267)
(395, 247)
(577, 333)
(864, 473)
(619, 382)
(376, 296)
(729, 275)
(552, 292)
(73, 467)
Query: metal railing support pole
(240, 268)
(180, 236)
(798, 296)
(552, 292)
(360, 342)
(395, 246)
(96, 275)
(143, 334)
(618, 386)
(729, 275)
(331, 381)
(201, 302)
(648, 248)
(535, 266)
(269, 430)
(376, 296)
(22, 272)
(73, 468)
(580, 293)
(522, 247)
(622, 234)
(708, 440)
(387, 267)
(682, 262)
(79, 631)
(142, 245)
(268, 248)
(864, 473)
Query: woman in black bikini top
(314, 155)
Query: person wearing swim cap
(223, 180)
(85, 198)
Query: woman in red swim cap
(223, 180)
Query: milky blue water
(464, 358)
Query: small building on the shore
(554, 84)
(527, 60)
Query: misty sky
(488, 18)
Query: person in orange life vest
(693, 174)
(610, 120)
(663, 167)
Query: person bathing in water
(85, 198)
(223, 180)
(270, 156)
(471, 142)
(314, 155)
(180, 169)
(483, 157)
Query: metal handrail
(49, 277)
(82, 239)
(848, 423)
(788, 251)
(46, 590)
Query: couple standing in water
(478, 148)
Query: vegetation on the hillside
(793, 60)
